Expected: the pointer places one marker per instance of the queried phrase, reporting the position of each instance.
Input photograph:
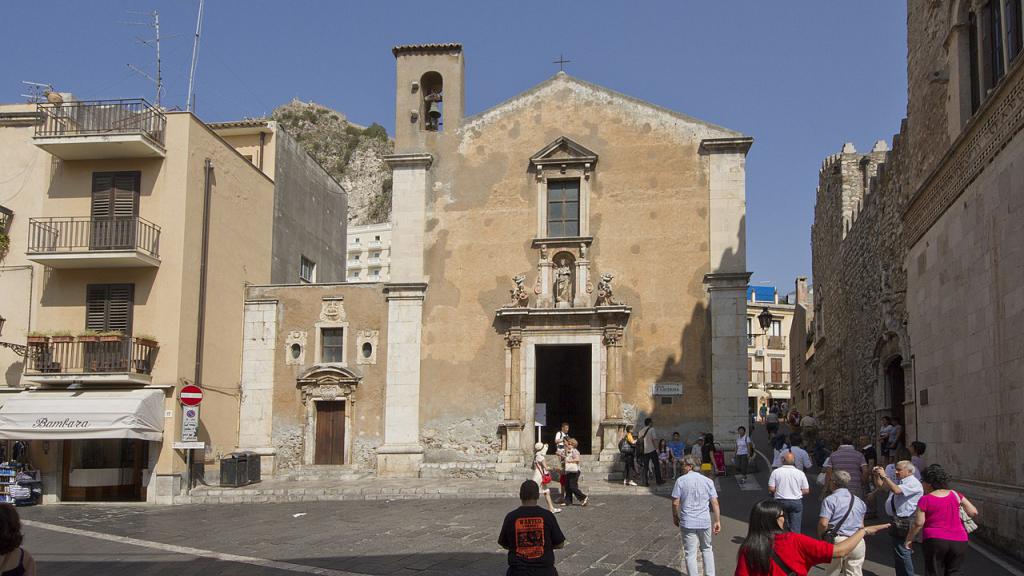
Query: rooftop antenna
(191, 103)
(155, 43)
(37, 91)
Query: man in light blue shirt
(902, 506)
(695, 511)
(843, 512)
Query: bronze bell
(434, 112)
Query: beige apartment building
(768, 347)
(133, 233)
(369, 253)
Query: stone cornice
(726, 145)
(405, 291)
(727, 280)
(1000, 118)
(414, 160)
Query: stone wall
(858, 288)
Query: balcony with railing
(767, 341)
(71, 242)
(768, 380)
(111, 359)
(96, 129)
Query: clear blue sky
(801, 76)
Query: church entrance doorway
(897, 388)
(330, 432)
(564, 388)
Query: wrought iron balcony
(94, 129)
(70, 242)
(98, 359)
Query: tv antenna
(191, 102)
(37, 91)
(154, 23)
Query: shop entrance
(564, 387)
(104, 470)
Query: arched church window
(432, 89)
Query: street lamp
(18, 349)
(765, 319)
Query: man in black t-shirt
(531, 535)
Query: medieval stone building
(572, 254)
(919, 267)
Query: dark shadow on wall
(13, 374)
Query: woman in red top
(766, 544)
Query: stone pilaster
(582, 298)
(613, 424)
(726, 284)
(256, 408)
(402, 453)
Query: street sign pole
(190, 397)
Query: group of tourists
(648, 451)
(568, 471)
(915, 497)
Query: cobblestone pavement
(616, 535)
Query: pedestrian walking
(842, 515)
(541, 475)
(808, 422)
(744, 448)
(940, 523)
(801, 458)
(14, 560)
(561, 436)
(649, 437)
(848, 459)
(572, 473)
(531, 535)
(769, 550)
(772, 421)
(627, 447)
(789, 486)
(902, 506)
(917, 450)
(696, 513)
(762, 412)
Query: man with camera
(901, 505)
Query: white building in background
(768, 349)
(369, 253)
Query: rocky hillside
(353, 155)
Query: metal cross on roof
(561, 62)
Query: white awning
(83, 414)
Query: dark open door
(104, 470)
(330, 433)
(115, 206)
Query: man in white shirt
(650, 453)
(902, 506)
(695, 511)
(743, 450)
(789, 486)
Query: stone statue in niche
(520, 298)
(605, 295)
(563, 283)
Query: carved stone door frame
(327, 383)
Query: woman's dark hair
(919, 447)
(936, 477)
(629, 427)
(764, 525)
(10, 529)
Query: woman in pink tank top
(938, 520)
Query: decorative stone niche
(366, 346)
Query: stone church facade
(930, 269)
(572, 254)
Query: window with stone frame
(988, 41)
(563, 208)
(332, 345)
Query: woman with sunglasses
(768, 550)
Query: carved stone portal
(325, 383)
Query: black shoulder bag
(833, 531)
(789, 571)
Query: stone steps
(323, 473)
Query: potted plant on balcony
(62, 336)
(35, 337)
(111, 336)
(5, 243)
(146, 340)
(89, 336)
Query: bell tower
(428, 94)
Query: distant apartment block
(768, 347)
(369, 253)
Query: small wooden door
(330, 433)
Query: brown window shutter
(126, 193)
(102, 195)
(108, 307)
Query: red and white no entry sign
(191, 395)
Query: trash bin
(234, 470)
(253, 467)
